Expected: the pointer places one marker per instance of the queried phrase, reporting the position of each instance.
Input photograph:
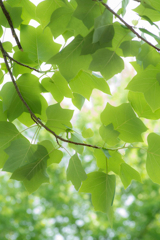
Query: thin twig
(11, 25)
(24, 65)
(128, 26)
(33, 116)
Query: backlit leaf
(124, 121)
(153, 157)
(75, 171)
(58, 117)
(102, 188)
(70, 61)
(127, 174)
(106, 62)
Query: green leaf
(87, 133)
(54, 155)
(58, 24)
(84, 83)
(154, 3)
(75, 137)
(102, 188)
(114, 162)
(23, 58)
(70, 61)
(149, 20)
(101, 158)
(3, 115)
(28, 171)
(15, 14)
(109, 135)
(121, 34)
(58, 117)
(39, 178)
(89, 47)
(75, 172)
(127, 174)
(28, 9)
(1, 31)
(88, 13)
(8, 133)
(78, 100)
(147, 83)
(1, 77)
(104, 30)
(26, 119)
(20, 152)
(153, 157)
(49, 6)
(106, 62)
(124, 121)
(148, 56)
(29, 87)
(3, 158)
(150, 13)
(124, 5)
(151, 34)
(77, 27)
(35, 40)
(106, 153)
(141, 107)
(57, 86)
(130, 48)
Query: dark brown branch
(10, 24)
(128, 26)
(33, 116)
(24, 65)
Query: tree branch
(24, 65)
(128, 26)
(33, 116)
(11, 25)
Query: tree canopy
(38, 75)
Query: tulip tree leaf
(124, 121)
(38, 43)
(57, 86)
(147, 83)
(54, 155)
(107, 62)
(50, 6)
(58, 117)
(20, 153)
(39, 178)
(75, 171)
(15, 14)
(28, 171)
(8, 133)
(141, 106)
(104, 30)
(70, 60)
(88, 13)
(127, 174)
(102, 188)
(114, 162)
(109, 135)
(30, 89)
(148, 56)
(84, 83)
(78, 100)
(87, 133)
(153, 157)
(58, 24)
